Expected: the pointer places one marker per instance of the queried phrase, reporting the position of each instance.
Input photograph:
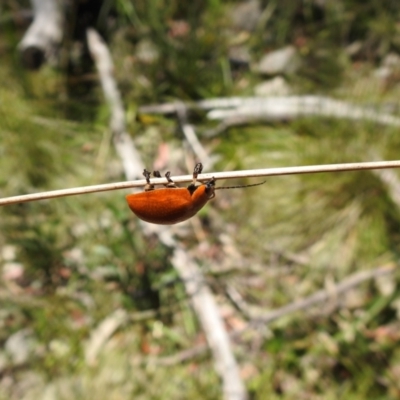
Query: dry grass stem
(255, 173)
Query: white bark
(43, 38)
(243, 110)
(207, 311)
(196, 287)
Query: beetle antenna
(240, 186)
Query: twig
(254, 173)
(102, 333)
(191, 136)
(315, 299)
(323, 295)
(182, 356)
(238, 301)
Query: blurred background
(91, 305)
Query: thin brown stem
(254, 173)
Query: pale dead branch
(292, 107)
(316, 299)
(102, 334)
(43, 38)
(392, 181)
(212, 323)
(191, 137)
(323, 295)
(241, 110)
(199, 294)
(132, 164)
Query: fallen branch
(196, 287)
(322, 295)
(43, 38)
(315, 299)
(213, 325)
(123, 143)
(254, 173)
(284, 108)
(239, 110)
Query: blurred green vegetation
(84, 257)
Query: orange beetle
(171, 204)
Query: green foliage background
(85, 257)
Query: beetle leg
(211, 182)
(149, 186)
(210, 187)
(197, 170)
(171, 183)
